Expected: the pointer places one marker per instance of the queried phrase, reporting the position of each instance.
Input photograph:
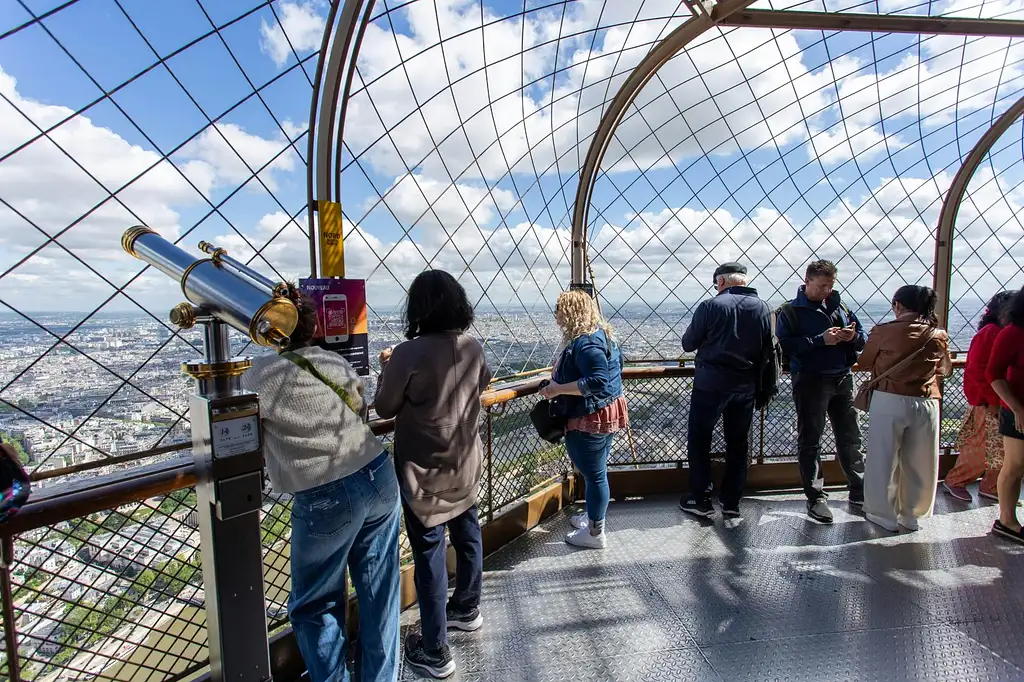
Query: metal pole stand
(228, 453)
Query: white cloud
(299, 24)
(506, 128)
(294, 130)
(880, 239)
(56, 194)
(48, 182)
(740, 89)
(231, 155)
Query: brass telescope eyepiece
(130, 235)
(183, 316)
(218, 286)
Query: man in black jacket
(823, 337)
(728, 332)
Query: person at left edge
(728, 332)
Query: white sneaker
(891, 526)
(580, 520)
(581, 537)
(909, 522)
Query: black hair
(437, 303)
(918, 299)
(994, 310)
(302, 335)
(821, 268)
(1013, 310)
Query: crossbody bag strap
(902, 363)
(308, 366)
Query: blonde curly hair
(576, 314)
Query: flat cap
(728, 269)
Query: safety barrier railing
(102, 579)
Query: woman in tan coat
(906, 358)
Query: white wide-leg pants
(902, 464)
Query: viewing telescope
(227, 439)
(218, 286)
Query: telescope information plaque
(341, 319)
(236, 436)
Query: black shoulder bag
(550, 417)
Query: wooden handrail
(77, 499)
(81, 498)
(525, 387)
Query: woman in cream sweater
(345, 509)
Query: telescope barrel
(221, 256)
(151, 248)
(263, 316)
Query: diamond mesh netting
(467, 126)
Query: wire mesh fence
(517, 459)
(118, 595)
(467, 126)
(659, 416)
(115, 595)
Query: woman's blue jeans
(352, 522)
(589, 454)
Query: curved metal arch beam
(735, 13)
(951, 207)
(669, 47)
(339, 51)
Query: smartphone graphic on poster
(335, 318)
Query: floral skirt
(979, 435)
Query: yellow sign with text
(332, 242)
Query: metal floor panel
(774, 596)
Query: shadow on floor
(774, 596)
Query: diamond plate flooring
(771, 596)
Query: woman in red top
(1006, 372)
(979, 443)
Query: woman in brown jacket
(431, 385)
(902, 464)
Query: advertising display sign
(341, 318)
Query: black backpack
(770, 372)
(15, 486)
(787, 311)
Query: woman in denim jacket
(588, 375)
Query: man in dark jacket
(728, 332)
(823, 338)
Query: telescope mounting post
(228, 450)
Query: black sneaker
(857, 498)
(1005, 531)
(702, 508)
(437, 664)
(819, 511)
(467, 621)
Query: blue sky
(772, 148)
